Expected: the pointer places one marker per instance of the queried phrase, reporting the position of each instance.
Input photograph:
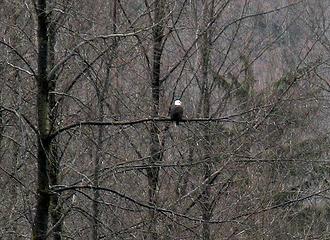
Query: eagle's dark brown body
(176, 113)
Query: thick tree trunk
(155, 146)
(54, 161)
(40, 224)
(56, 205)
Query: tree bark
(155, 146)
(205, 49)
(101, 103)
(97, 167)
(56, 209)
(40, 224)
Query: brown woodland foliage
(87, 149)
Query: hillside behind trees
(87, 149)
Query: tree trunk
(101, 102)
(54, 161)
(40, 224)
(2, 126)
(96, 181)
(155, 146)
(205, 49)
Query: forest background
(87, 149)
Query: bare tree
(102, 91)
(155, 145)
(101, 159)
(40, 225)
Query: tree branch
(59, 189)
(138, 121)
(31, 72)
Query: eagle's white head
(177, 103)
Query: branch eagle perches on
(138, 121)
(229, 118)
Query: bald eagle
(176, 112)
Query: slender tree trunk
(205, 49)
(97, 166)
(96, 182)
(155, 146)
(2, 125)
(207, 168)
(101, 102)
(40, 224)
(18, 150)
